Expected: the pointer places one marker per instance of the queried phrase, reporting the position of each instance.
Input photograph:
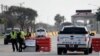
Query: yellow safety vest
(22, 35)
(13, 36)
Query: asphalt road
(5, 50)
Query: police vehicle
(7, 37)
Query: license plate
(71, 45)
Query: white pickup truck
(74, 38)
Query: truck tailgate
(72, 39)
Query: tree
(59, 19)
(2, 20)
(9, 19)
(21, 15)
(31, 14)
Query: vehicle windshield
(41, 30)
(73, 30)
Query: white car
(41, 32)
(74, 38)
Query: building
(85, 18)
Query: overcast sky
(47, 9)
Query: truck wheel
(90, 50)
(86, 52)
(59, 52)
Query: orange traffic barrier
(43, 44)
(96, 44)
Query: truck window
(73, 30)
(41, 30)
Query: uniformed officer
(21, 38)
(13, 35)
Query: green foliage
(20, 15)
(58, 18)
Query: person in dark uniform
(21, 38)
(13, 35)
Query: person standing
(13, 35)
(21, 38)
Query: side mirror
(92, 34)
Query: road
(5, 50)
